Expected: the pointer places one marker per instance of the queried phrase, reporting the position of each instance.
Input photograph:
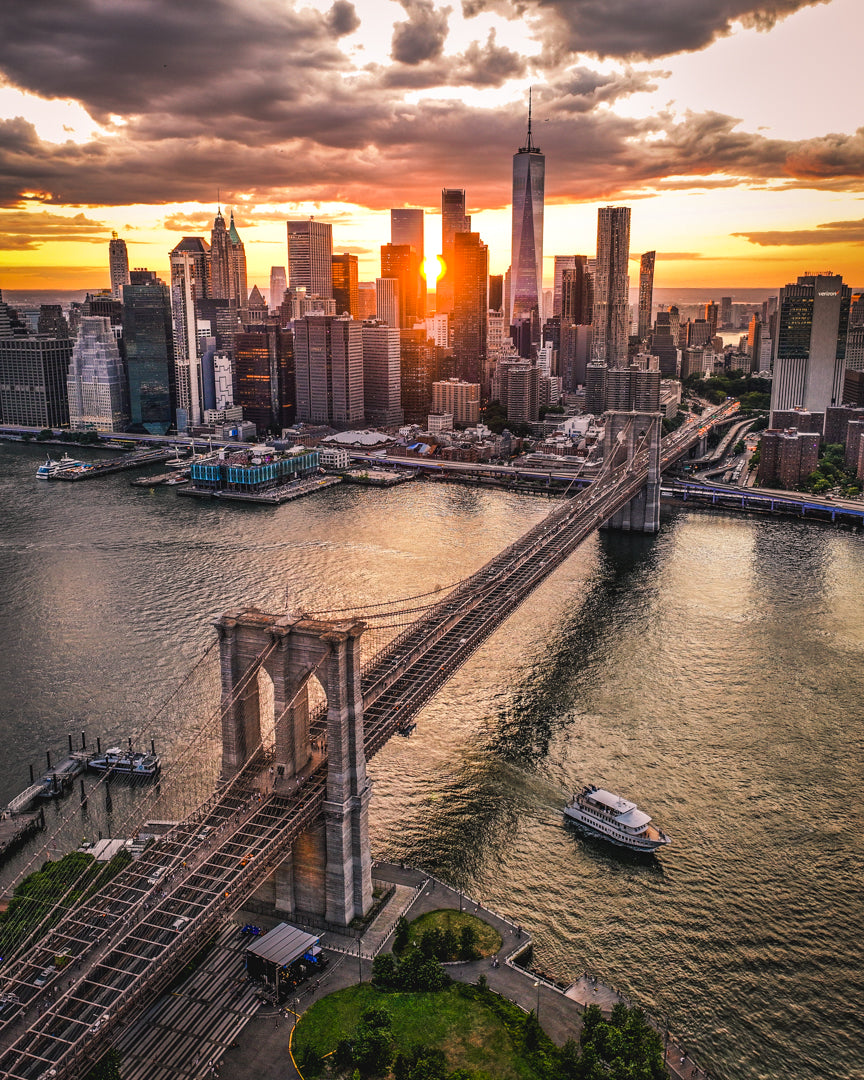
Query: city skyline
(735, 184)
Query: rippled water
(712, 673)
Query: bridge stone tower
(631, 399)
(628, 432)
(329, 872)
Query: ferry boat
(133, 763)
(604, 814)
(50, 468)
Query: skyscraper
(387, 300)
(453, 220)
(328, 360)
(220, 260)
(811, 344)
(149, 341)
(264, 377)
(345, 285)
(118, 264)
(526, 250)
(189, 265)
(382, 383)
(646, 294)
(400, 261)
(96, 380)
(611, 319)
(310, 255)
(577, 293)
(239, 293)
(406, 227)
(33, 373)
(278, 285)
(471, 283)
(562, 263)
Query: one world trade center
(526, 253)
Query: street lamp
(537, 1013)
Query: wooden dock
(14, 830)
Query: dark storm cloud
(375, 145)
(487, 64)
(580, 89)
(24, 231)
(831, 232)
(422, 36)
(259, 101)
(636, 28)
(132, 58)
(342, 18)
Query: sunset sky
(731, 127)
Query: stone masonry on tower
(329, 871)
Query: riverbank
(261, 1050)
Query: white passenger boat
(126, 763)
(604, 814)
(50, 468)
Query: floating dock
(113, 465)
(171, 479)
(269, 496)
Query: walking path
(260, 1050)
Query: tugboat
(134, 763)
(604, 814)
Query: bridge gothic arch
(297, 654)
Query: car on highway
(180, 922)
(157, 874)
(44, 976)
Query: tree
(384, 971)
(468, 943)
(373, 1041)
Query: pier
(113, 465)
(16, 829)
(269, 496)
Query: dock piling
(70, 744)
(98, 745)
(32, 780)
(48, 757)
(83, 741)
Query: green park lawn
(464, 1026)
(488, 940)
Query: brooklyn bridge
(288, 820)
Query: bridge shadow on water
(476, 810)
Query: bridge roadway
(129, 939)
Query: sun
(432, 268)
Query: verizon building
(809, 360)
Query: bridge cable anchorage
(44, 898)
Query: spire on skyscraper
(529, 146)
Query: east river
(713, 673)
